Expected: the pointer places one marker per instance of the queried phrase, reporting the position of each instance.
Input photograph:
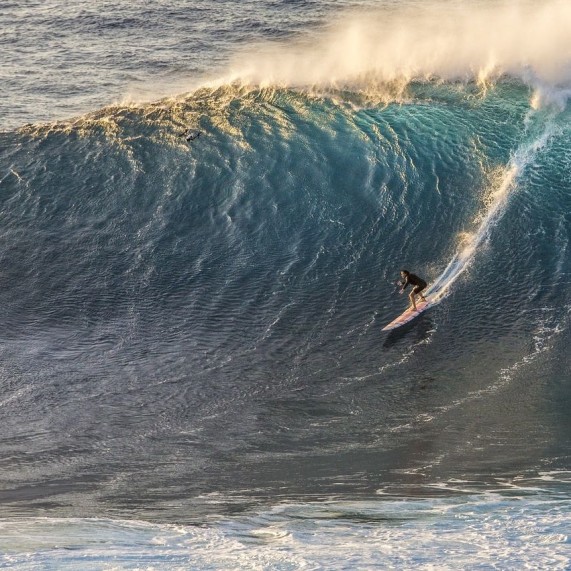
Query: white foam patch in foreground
(525, 530)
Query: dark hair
(405, 272)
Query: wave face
(194, 329)
(224, 299)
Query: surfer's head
(404, 273)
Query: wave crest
(446, 40)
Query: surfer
(418, 285)
(190, 135)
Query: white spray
(447, 40)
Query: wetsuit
(418, 283)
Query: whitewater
(193, 373)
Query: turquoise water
(193, 371)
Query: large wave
(219, 303)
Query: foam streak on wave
(498, 200)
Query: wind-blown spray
(445, 40)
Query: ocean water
(192, 369)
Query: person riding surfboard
(418, 286)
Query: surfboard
(409, 314)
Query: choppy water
(193, 373)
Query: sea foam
(447, 40)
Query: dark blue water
(194, 329)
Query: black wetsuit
(418, 283)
